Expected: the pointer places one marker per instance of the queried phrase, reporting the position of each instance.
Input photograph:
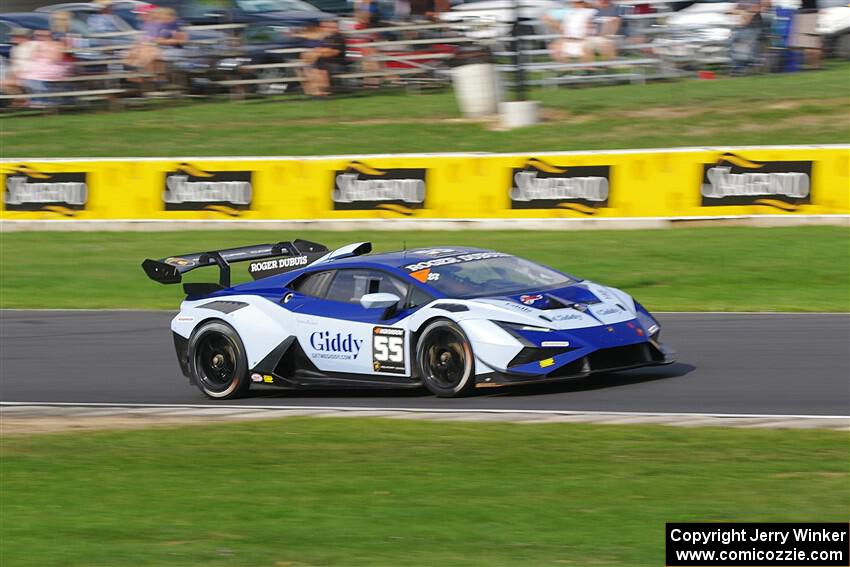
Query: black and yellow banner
(665, 183)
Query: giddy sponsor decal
(28, 189)
(530, 299)
(189, 188)
(541, 185)
(566, 317)
(734, 180)
(336, 346)
(606, 311)
(360, 187)
(515, 307)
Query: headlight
(649, 324)
(521, 327)
(517, 330)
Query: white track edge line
(679, 149)
(133, 310)
(426, 410)
(436, 220)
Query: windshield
(501, 275)
(255, 6)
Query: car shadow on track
(595, 382)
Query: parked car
(338, 7)
(82, 11)
(197, 65)
(494, 19)
(282, 14)
(41, 20)
(126, 16)
(834, 26)
(710, 23)
(24, 20)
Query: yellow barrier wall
(652, 183)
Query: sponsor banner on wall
(27, 188)
(667, 183)
(360, 187)
(735, 180)
(191, 188)
(542, 185)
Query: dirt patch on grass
(685, 111)
(816, 120)
(794, 104)
(662, 112)
(12, 426)
(705, 122)
(808, 474)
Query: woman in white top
(576, 27)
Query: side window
(4, 33)
(312, 284)
(350, 285)
(418, 298)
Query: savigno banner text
(651, 183)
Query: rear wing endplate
(290, 255)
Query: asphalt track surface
(780, 364)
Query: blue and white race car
(452, 319)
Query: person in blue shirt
(103, 21)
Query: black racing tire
(444, 359)
(217, 361)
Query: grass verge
(795, 108)
(299, 492)
(700, 269)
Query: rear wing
(287, 256)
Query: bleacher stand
(399, 43)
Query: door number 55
(389, 349)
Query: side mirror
(379, 300)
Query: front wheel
(218, 361)
(445, 361)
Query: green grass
(354, 492)
(724, 269)
(798, 108)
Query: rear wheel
(219, 364)
(445, 361)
